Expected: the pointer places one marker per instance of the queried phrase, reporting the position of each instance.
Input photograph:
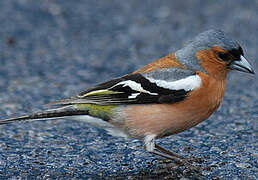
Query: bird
(167, 96)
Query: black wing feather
(162, 95)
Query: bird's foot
(191, 164)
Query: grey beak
(241, 65)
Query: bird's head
(214, 53)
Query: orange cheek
(212, 64)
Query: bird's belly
(160, 120)
(165, 119)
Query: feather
(52, 113)
(134, 89)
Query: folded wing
(138, 88)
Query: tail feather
(52, 113)
(61, 102)
(73, 101)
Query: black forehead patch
(236, 52)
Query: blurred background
(51, 49)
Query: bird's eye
(224, 56)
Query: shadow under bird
(165, 97)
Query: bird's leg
(167, 156)
(160, 148)
(190, 159)
(149, 144)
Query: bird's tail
(52, 113)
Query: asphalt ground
(52, 49)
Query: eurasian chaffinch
(167, 96)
